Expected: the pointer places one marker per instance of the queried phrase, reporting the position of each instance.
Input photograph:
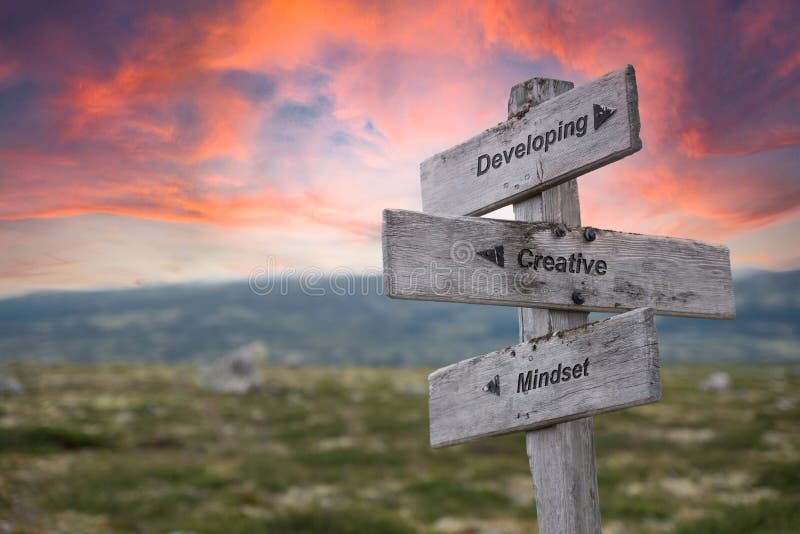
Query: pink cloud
(314, 115)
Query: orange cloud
(699, 202)
(311, 114)
(267, 208)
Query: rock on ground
(716, 382)
(236, 372)
(10, 386)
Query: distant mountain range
(200, 322)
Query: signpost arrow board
(595, 368)
(560, 139)
(512, 263)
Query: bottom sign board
(595, 368)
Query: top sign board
(556, 141)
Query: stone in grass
(237, 372)
(716, 382)
(10, 386)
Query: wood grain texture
(615, 362)
(533, 92)
(439, 258)
(561, 457)
(562, 465)
(450, 180)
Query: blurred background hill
(199, 322)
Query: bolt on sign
(558, 140)
(568, 376)
(512, 263)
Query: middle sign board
(542, 265)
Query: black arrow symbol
(494, 255)
(602, 114)
(493, 386)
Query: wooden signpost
(563, 371)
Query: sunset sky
(156, 141)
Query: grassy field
(140, 449)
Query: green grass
(783, 476)
(140, 449)
(439, 497)
(342, 521)
(768, 517)
(43, 439)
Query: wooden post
(561, 457)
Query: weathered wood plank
(561, 459)
(561, 456)
(512, 263)
(591, 369)
(555, 141)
